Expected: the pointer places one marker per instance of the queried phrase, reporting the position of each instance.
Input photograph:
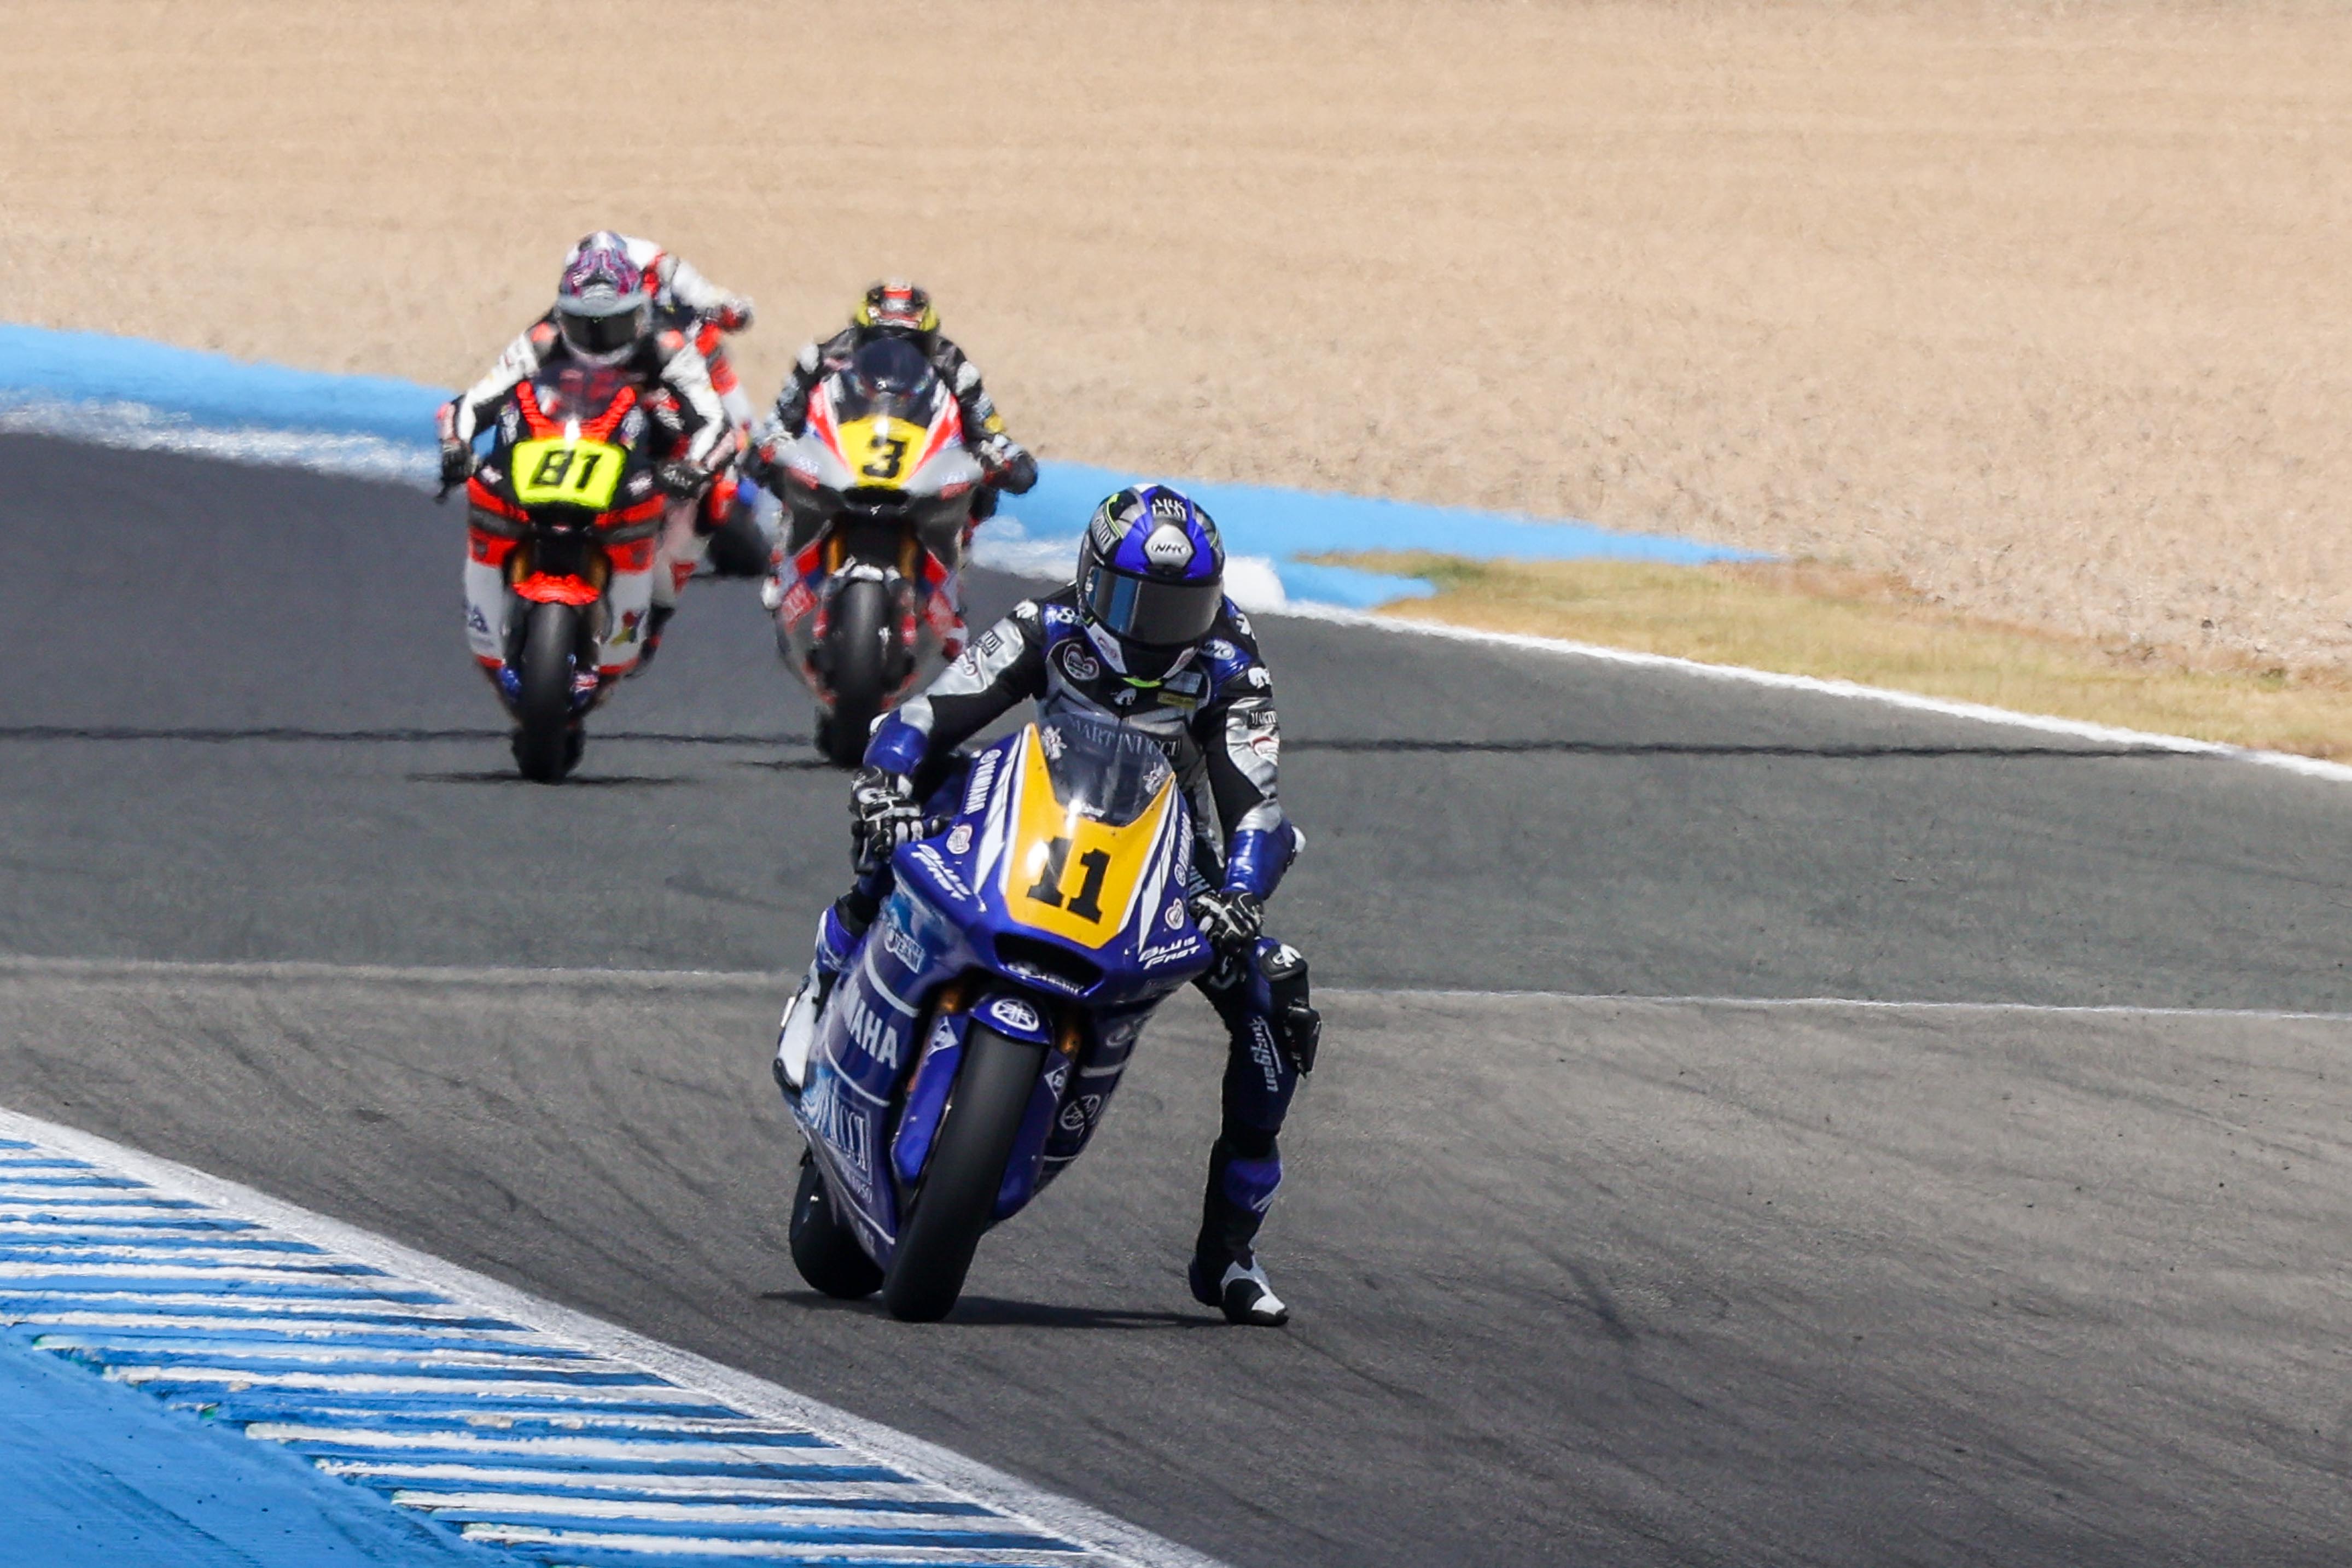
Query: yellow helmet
(896, 303)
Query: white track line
(763, 980)
(1868, 1004)
(739, 1390)
(1980, 713)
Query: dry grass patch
(1810, 619)
(2040, 304)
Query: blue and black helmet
(1151, 572)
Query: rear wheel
(739, 549)
(823, 1250)
(858, 656)
(959, 1185)
(548, 742)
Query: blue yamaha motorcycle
(965, 1058)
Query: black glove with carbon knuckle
(456, 464)
(683, 478)
(1019, 473)
(1230, 921)
(886, 816)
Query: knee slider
(1296, 1025)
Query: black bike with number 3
(881, 489)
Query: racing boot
(655, 619)
(837, 936)
(1240, 1290)
(1244, 1168)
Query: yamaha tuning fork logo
(1013, 1013)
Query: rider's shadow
(994, 1312)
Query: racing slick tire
(958, 1198)
(858, 656)
(548, 742)
(739, 549)
(824, 1248)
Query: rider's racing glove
(735, 314)
(887, 815)
(764, 456)
(684, 477)
(1010, 468)
(1230, 921)
(456, 463)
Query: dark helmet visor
(602, 334)
(1154, 615)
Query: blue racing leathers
(1214, 713)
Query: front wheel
(959, 1185)
(548, 742)
(823, 1250)
(857, 654)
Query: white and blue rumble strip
(505, 1434)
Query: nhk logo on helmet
(1167, 550)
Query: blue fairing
(944, 951)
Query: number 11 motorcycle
(965, 1058)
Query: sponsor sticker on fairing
(1013, 1013)
(930, 860)
(838, 1123)
(958, 838)
(984, 774)
(877, 1035)
(900, 944)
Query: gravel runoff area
(2038, 306)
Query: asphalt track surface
(1580, 1280)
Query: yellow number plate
(561, 473)
(1067, 874)
(880, 451)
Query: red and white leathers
(695, 304)
(677, 285)
(665, 360)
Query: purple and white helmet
(602, 304)
(1152, 575)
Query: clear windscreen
(888, 378)
(1101, 769)
(913, 406)
(575, 391)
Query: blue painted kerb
(214, 390)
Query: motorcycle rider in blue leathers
(1144, 635)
